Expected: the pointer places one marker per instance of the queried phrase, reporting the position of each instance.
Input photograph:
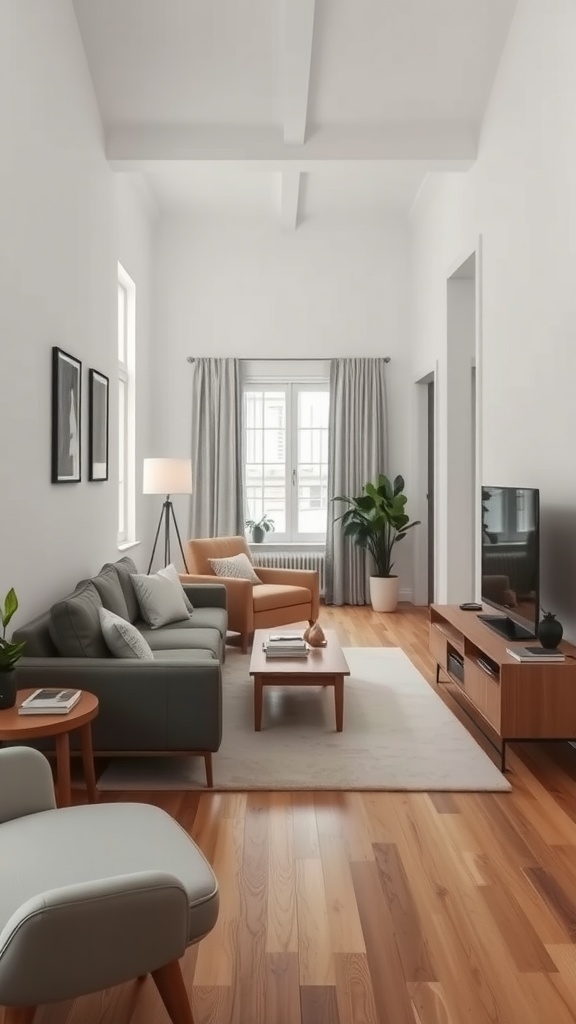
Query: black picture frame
(98, 392)
(66, 417)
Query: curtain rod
(291, 359)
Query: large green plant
(376, 520)
(9, 653)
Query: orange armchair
(284, 596)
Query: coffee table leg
(258, 703)
(88, 762)
(339, 702)
(63, 787)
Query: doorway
(459, 520)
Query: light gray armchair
(92, 896)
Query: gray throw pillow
(161, 601)
(108, 585)
(125, 568)
(171, 573)
(122, 638)
(75, 624)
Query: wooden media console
(515, 700)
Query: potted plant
(9, 653)
(376, 520)
(260, 528)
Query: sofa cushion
(171, 573)
(276, 595)
(161, 600)
(237, 567)
(182, 639)
(75, 624)
(126, 568)
(122, 638)
(204, 618)
(108, 585)
(191, 655)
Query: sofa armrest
(239, 600)
(203, 592)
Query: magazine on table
(49, 701)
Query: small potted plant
(10, 654)
(376, 520)
(260, 528)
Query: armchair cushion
(269, 596)
(238, 567)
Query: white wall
(255, 291)
(58, 253)
(521, 198)
(137, 215)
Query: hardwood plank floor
(380, 908)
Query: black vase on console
(550, 631)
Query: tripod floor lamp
(167, 476)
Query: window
(286, 457)
(126, 407)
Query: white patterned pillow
(238, 567)
(122, 638)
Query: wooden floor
(380, 908)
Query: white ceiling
(293, 108)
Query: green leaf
(399, 485)
(10, 606)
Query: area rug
(398, 735)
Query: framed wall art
(66, 417)
(98, 426)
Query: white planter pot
(384, 593)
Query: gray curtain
(357, 452)
(216, 505)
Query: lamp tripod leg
(156, 540)
(167, 509)
(180, 541)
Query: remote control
(471, 606)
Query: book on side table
(535, 654)
(49, 702)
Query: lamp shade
(167, 476)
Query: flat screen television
(510, 566)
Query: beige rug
(398, 735)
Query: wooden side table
(15, 727)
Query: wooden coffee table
(324, 666)
(16, 727)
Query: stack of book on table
(286, 645)
(535, 654)
(49, 702)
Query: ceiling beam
(295, 63)
(130, 146)
(289, 197)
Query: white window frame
(291, 378)
(127, 429)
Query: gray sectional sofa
(172, 704)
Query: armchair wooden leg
(170, 984)
(244, 640)
(19, 1014)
